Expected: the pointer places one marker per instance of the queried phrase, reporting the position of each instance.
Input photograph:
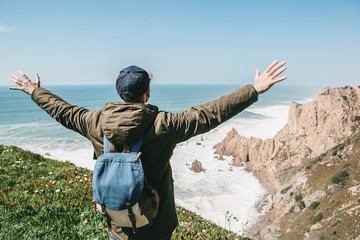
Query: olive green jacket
(125, 123)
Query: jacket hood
(126, 122)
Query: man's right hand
(268, 78)
(26, 85)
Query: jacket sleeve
(203, 118)
(70, 116)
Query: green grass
(47, 199)
(314, 205)
(298, 198)
(340, 177)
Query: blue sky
(216, 42)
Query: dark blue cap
(132, 82)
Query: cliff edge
(298, 167)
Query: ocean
(222, 193)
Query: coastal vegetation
(334, 215)
(42, 198)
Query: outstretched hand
(26, 85)
(268, 78)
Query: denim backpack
(120, 188)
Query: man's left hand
(26, 85)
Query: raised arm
(70, 116)
(203, 118)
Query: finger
(276, 68)
(257, 73)
(23, 75)
(37, 80)
(15, 88)
(280, 79)
(271, 66)
(15, 78)
(18, 82)
(279, 72)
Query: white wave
(305, 101)
(276, 118)
(29, 125)
(80, 155)
(278, 111)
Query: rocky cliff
(319, 133)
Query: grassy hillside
(328, 206)
(48, 199)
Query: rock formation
(313, 128)
(286, 163)
(196, 166)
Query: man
(124, 123)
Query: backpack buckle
(132, 217)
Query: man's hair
(136, 100)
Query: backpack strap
(134, 147)
(107, 145)
(132, 217)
